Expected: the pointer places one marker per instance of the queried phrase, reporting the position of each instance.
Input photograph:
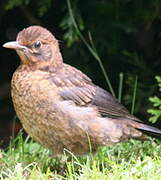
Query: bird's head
(36, 47)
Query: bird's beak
(20, 49)
(14, 45)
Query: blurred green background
(126, 34)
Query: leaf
(155, 100)
(156, 113)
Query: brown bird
(59, 106)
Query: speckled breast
(35, 102)
(30, 94)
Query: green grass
(25, 159)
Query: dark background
(127, 36)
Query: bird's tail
(146, 128)
(150, 129)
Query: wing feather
(78, 88)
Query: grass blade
(134, 95)
(121, 77)
(91, 47)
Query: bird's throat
(23, 57)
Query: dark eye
(37, 45)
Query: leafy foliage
(42, 5)
(12, 4)
(156, 113)
(71, 34)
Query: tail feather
(148, 128)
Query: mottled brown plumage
(59, 106)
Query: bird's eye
(37, 45)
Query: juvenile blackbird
(59, 106)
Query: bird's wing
(74, 85)
(106, 104)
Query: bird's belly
(53, 128)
